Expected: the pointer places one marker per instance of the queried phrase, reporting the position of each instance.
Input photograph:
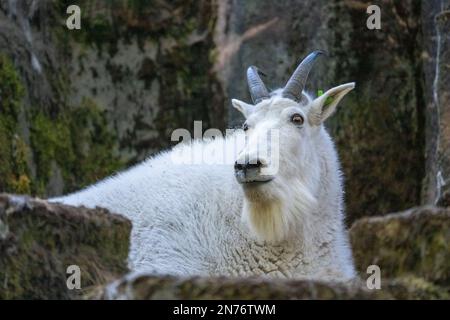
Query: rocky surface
(150, 66)
(151, 287)
(47, 144)
(39, 241)
(89, 102)
(443, 95)
(411, 245)
(436, 41)
(143, 287)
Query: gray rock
(414, 243)
(166, 287)
(436, 53)
(145, 287)
(39, 241)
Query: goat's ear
(243, 107)
(324, 106)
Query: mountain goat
(250, 218)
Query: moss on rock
(152, 66)
(38, 241)
(147, 286)
(414, 243)
(76, 140)
(79, 141)
(415, 288)
(144, 287)
(14, 152)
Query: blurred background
(78, 105)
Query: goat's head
(280, 160)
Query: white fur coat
(188, 219)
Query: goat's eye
(245, 126)
(297, 119)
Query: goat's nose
(248, 165)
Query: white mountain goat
(282, 219)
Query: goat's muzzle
(251, 172)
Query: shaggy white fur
(196, 219)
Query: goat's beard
(276, 212)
